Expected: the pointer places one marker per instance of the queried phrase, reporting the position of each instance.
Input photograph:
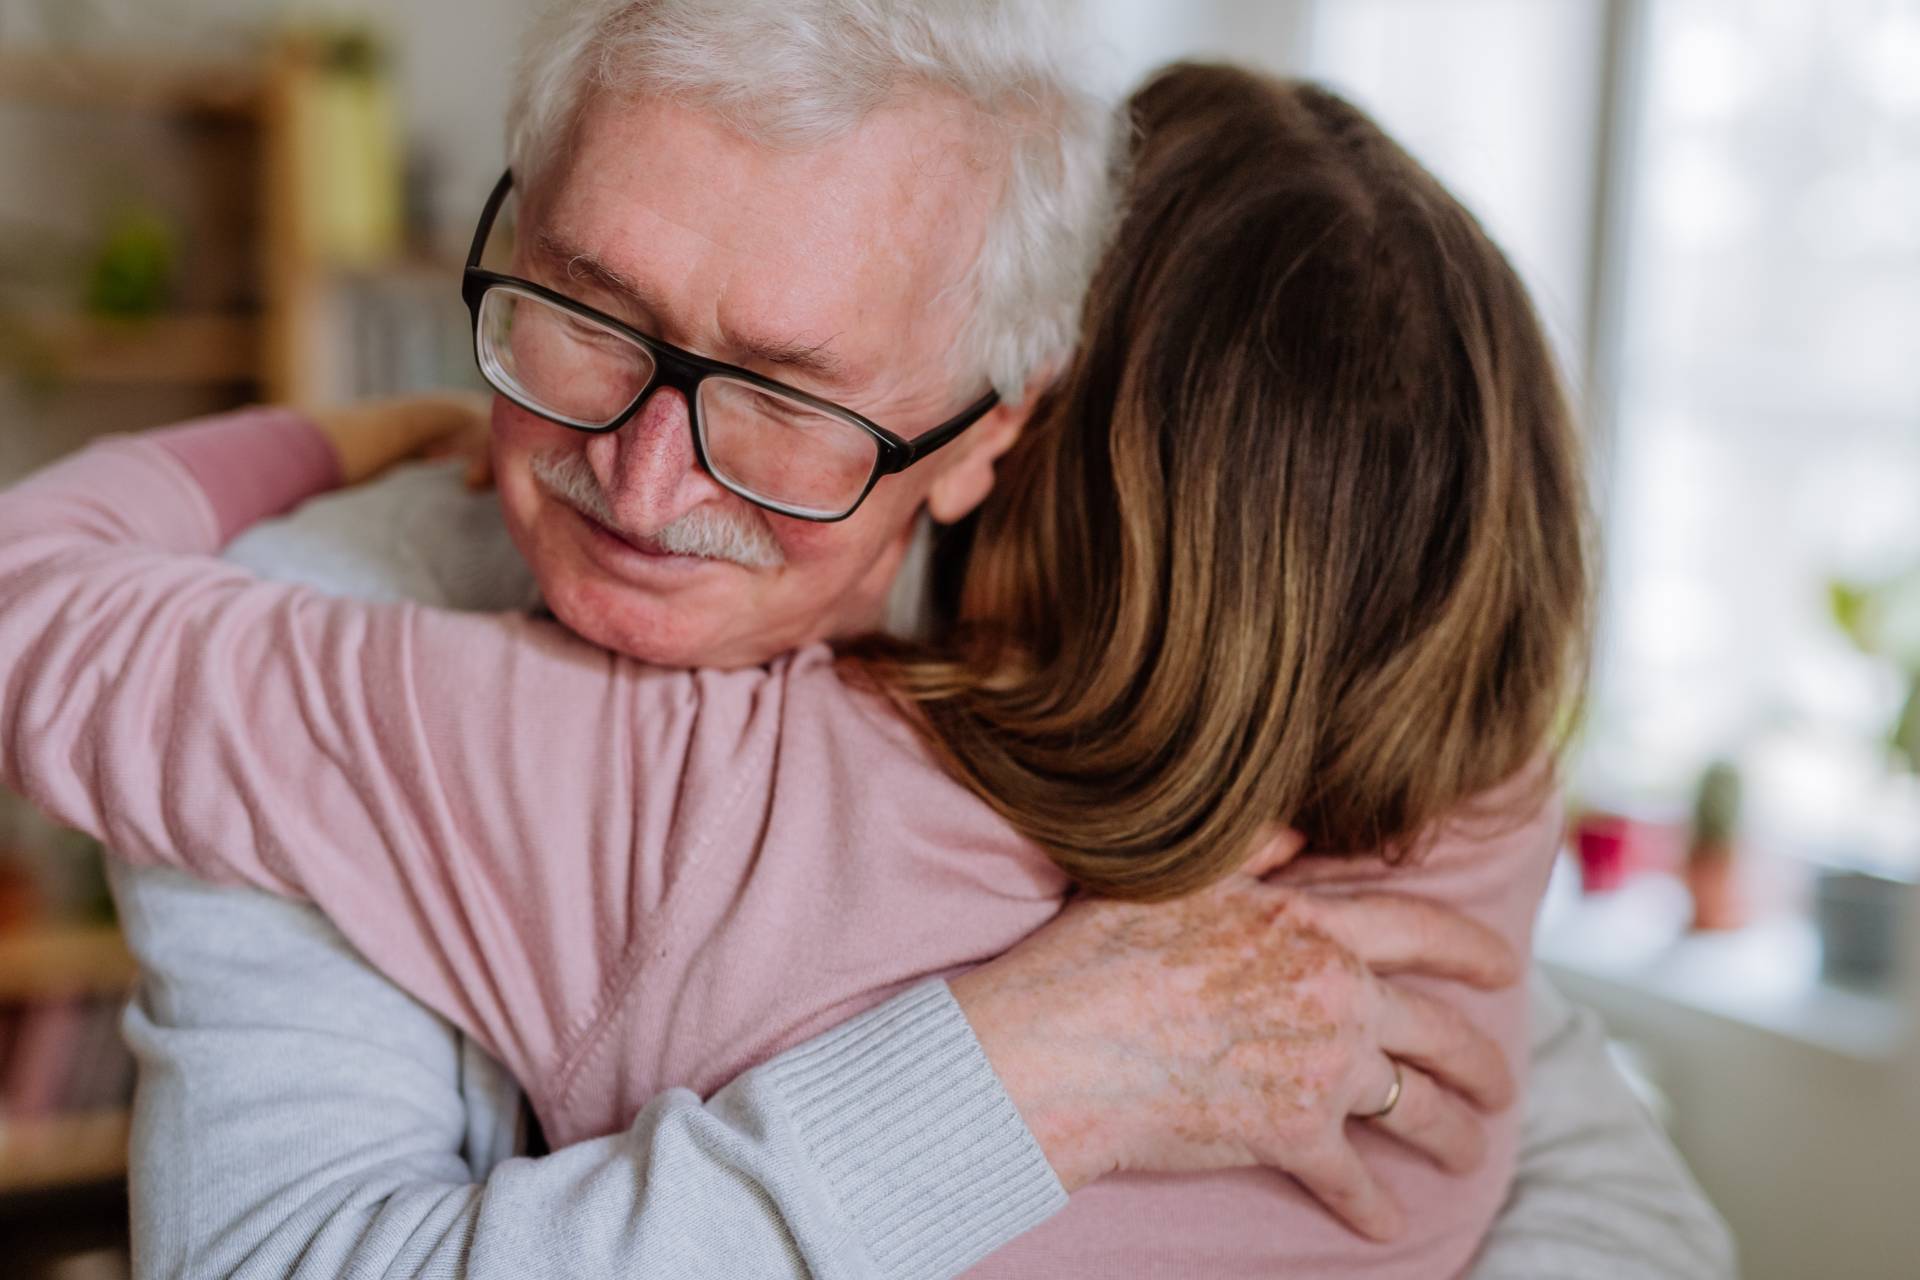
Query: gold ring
(1393, 1097)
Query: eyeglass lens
(768, 447)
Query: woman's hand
(378, 434)
(1244, 1025)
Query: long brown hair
(1300, 538)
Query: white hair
(799, 73)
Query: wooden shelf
(173, 350)
(128, 84)
(50, 963)
(44, 1154)
(282, 351)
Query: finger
(1392, 933)
(1437, 1038)
(1276, 848)
(1338, 1179)
(1434, 1122)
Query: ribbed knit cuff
(915, 1136)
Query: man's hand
(1244, 1026)
(368, 438)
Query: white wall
(1144, 34)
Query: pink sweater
(618, 879)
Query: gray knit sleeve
(300, 1116)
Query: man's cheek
(888, 513)
(517, 430)
(805, 542)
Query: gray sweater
(298, 1115)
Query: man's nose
(648, 469)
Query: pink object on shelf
(1602, 841)
(1613, 848)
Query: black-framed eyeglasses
(774, 445)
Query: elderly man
(869, 213)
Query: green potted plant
(1860, 908)
(1884, 620)
(1712, 868)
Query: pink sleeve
(408, 771)
(252, 465)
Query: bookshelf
(51, 962)
(63, 1069)
(264, 346)
(209, 349)
(70, 1150)
(95, 82)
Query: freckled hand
(1245, 1025)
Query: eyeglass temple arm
(481, 232)
(949, 430)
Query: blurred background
(1717, 205)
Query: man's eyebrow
(578, 264)
(812, 358)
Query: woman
(1313, 416)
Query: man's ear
(967, 478)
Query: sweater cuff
(254, 464)
(913, 1133)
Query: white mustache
(709, 535)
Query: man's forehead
(840, 251)
(580, 265)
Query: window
(1766, 396)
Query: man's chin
(647, 627)
(658, 609)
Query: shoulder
(416, 534)
(830, 699)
